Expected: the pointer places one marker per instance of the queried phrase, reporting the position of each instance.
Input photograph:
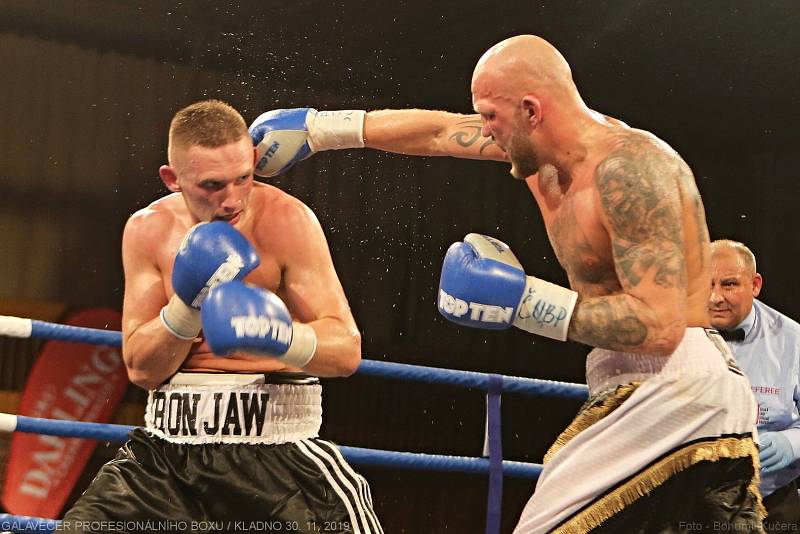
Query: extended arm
(429, 133)
(285, 136)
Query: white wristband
(545, 309)
(182, 321)
(303, 346)
(331, 130)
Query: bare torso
(268, 239)
(625, 220)
(573, 215)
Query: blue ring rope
(495, 384)
(434, 375)
(78, 334)
(472, 379)
(356, 455)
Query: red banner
(71, 381)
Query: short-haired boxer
(232, 309)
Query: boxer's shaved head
(526, 96)
(521, 64)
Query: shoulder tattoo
(638, 184)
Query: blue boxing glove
(483, 285)
(209, 254)
(774, 452)
(240, 317)
(283, 137)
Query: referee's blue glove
(775, 452)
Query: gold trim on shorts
(592, 412)
(653, 476)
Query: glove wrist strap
(303, 346)
(180, 320)
(545, 309)
(332, 130)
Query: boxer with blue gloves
(670, 418)
(211, 253)
(243, 391)
(242, 317)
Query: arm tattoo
(638, 184)
(638, 187)
(609, 324)
(470, 133)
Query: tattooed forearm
(470, 133)
(637, 184)
(608, 322)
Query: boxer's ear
(169, 178)
(531, 110)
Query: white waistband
(701, 351)
(232, 408)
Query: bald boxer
(232, 309)
(665, 442)
(766, 343)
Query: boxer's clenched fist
(210, 253)
(483, 285)
(283, 137)
(240, 317)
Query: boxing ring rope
(32, 328)
(495, 384)
(357, 455)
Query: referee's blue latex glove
(775, 452)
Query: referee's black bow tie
(737, 334)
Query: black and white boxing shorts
(228, 453)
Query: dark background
(88, 89)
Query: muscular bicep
(429, 133)
(144, 286)
(639, 194)
(312, 288)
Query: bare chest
(267, 275)
(581, 243)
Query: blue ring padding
(78, 334)
(355, 455)
(435, 375)
(472, 379)
(494, 501)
